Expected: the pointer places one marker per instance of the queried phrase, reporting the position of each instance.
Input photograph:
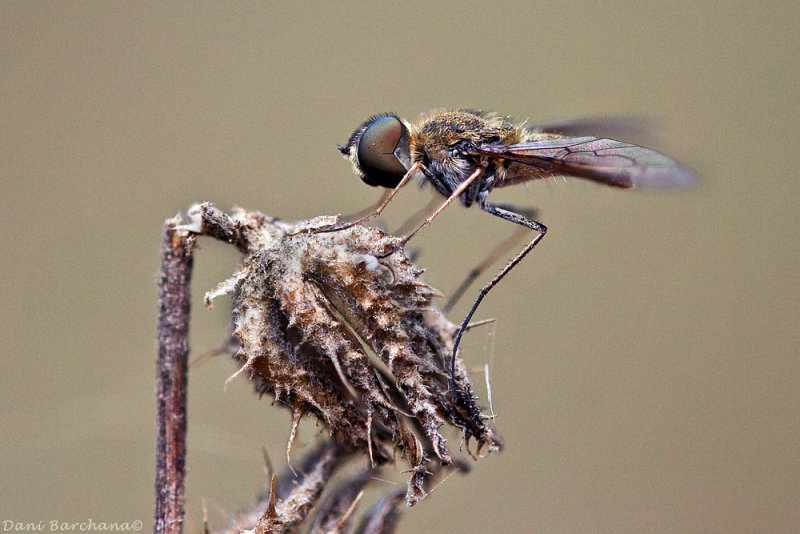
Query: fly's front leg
(457, 192)
(383, 204)
(369, 209)
(416, 217)
(504, 212)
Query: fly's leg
(454, 195)
(414, 219)
(369, 209)
(380, 208)
(499, 250)
(503, 212)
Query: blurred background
(645, 356)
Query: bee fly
(465, 154)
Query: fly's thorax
(440, 142)
(441, 130)
(437, 136)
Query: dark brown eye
(380, 149)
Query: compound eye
(383, 140)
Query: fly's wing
(638, 128)
(603, 160)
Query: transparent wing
(603, 160)
(637, 128)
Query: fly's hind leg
(504, 212)
(499, 250)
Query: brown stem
(171, 376)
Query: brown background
(645, 359)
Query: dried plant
(335, 331)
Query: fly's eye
(381, 150)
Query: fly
(465, 154)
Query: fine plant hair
(333, 329)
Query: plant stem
(171, 376)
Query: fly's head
(378, 150)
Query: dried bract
(310, 309)
(291, 496)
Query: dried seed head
(309, 308)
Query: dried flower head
(335, 331)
